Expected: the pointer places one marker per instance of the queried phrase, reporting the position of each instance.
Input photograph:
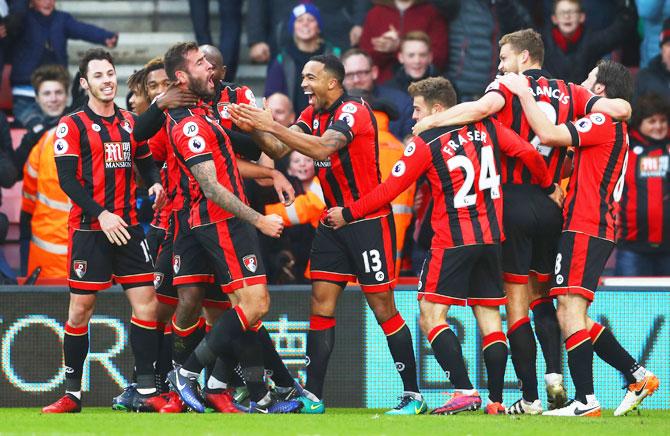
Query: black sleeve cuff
(346, 214)
(591, 102)
(195, 160)
(342, 127)
(304, 127)
(574, 134)
(549, 189)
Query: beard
(199, 87)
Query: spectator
(643, 247)
(45, 207)
(137, 99)
(360, 73)
(655, 78)
(571, 50)
(282, 109)
(652, 13)
(389, 20)
(415, 59)
(42, 40)
(267, 28)
(285, 71)
(230, 29)
(473, 58)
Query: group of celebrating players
(505, 234)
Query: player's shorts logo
(400, 366)
(379, 275)
(79, 267)
(158, 280)
(69, 370)
(62, 130)
(60, 146)
(307, 361)
(176, 264)
(190, 129)
(250, 262)
(559, 279)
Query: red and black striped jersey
(352, 171)
(230, 93)
(197, 137)
(596, 184)
(105, 150)
(462, 165)
(644, 209)
(560, 101)
(158, 144)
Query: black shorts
(190, 263)
(466, 275)
(363, 250)
(234, 252)
(166, 291)
(532, 225)
(94, 261)
(579, 263)
(155, 237)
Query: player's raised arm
(463, 113)
(549, 133)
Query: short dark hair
(526, 39)
(54, 73)
(154, 64)
(332, 64)
(174, 59)
(647, 106)
(616, 78)
(137, 80)
(434, 90)
(93, 54)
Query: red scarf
(564, 42)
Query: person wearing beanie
(284, 72)
(655, 78)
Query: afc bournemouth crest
(79, 268)
(158, 280)
(250, 262)
(176, 264)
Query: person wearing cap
(284, 72)
(655, 78)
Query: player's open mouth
(108, 90)
(310, 97)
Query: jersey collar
(100, 119)
(536, 73)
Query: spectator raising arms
(284, 73)
(42, 40)
(643, 247)
(655, 78)
(389, 20)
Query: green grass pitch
(335, 422)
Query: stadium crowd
(395, 56)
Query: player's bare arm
(463, 113)
(250, 170)
(205, 174)
(617, 108)
(316, 147)
(549, 133)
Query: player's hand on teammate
(251, 117)
(335, 218)
(516, 83)
(114, 228)
(558, 196)
(423, 124)
(159, 196)
(271, 225)
(283, 187)
(175, 97)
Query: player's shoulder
(431, 137)
(351, 107)
(594, 120)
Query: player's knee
(255, 302)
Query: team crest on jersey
(249, 94)
(176, 263)
(196, 144)
(348, 118)
(79, 267)
(250, 262)
(126, 126)
(117, 155)
(349, 108)
(583, 125)
(399, 169)
(410, 149)
(222, 108)
(598, 119)
(158, 280)
(60, 146)
(190, 129)
(62, 130)
(95, 127)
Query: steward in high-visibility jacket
(306, 209)
(49, 207)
